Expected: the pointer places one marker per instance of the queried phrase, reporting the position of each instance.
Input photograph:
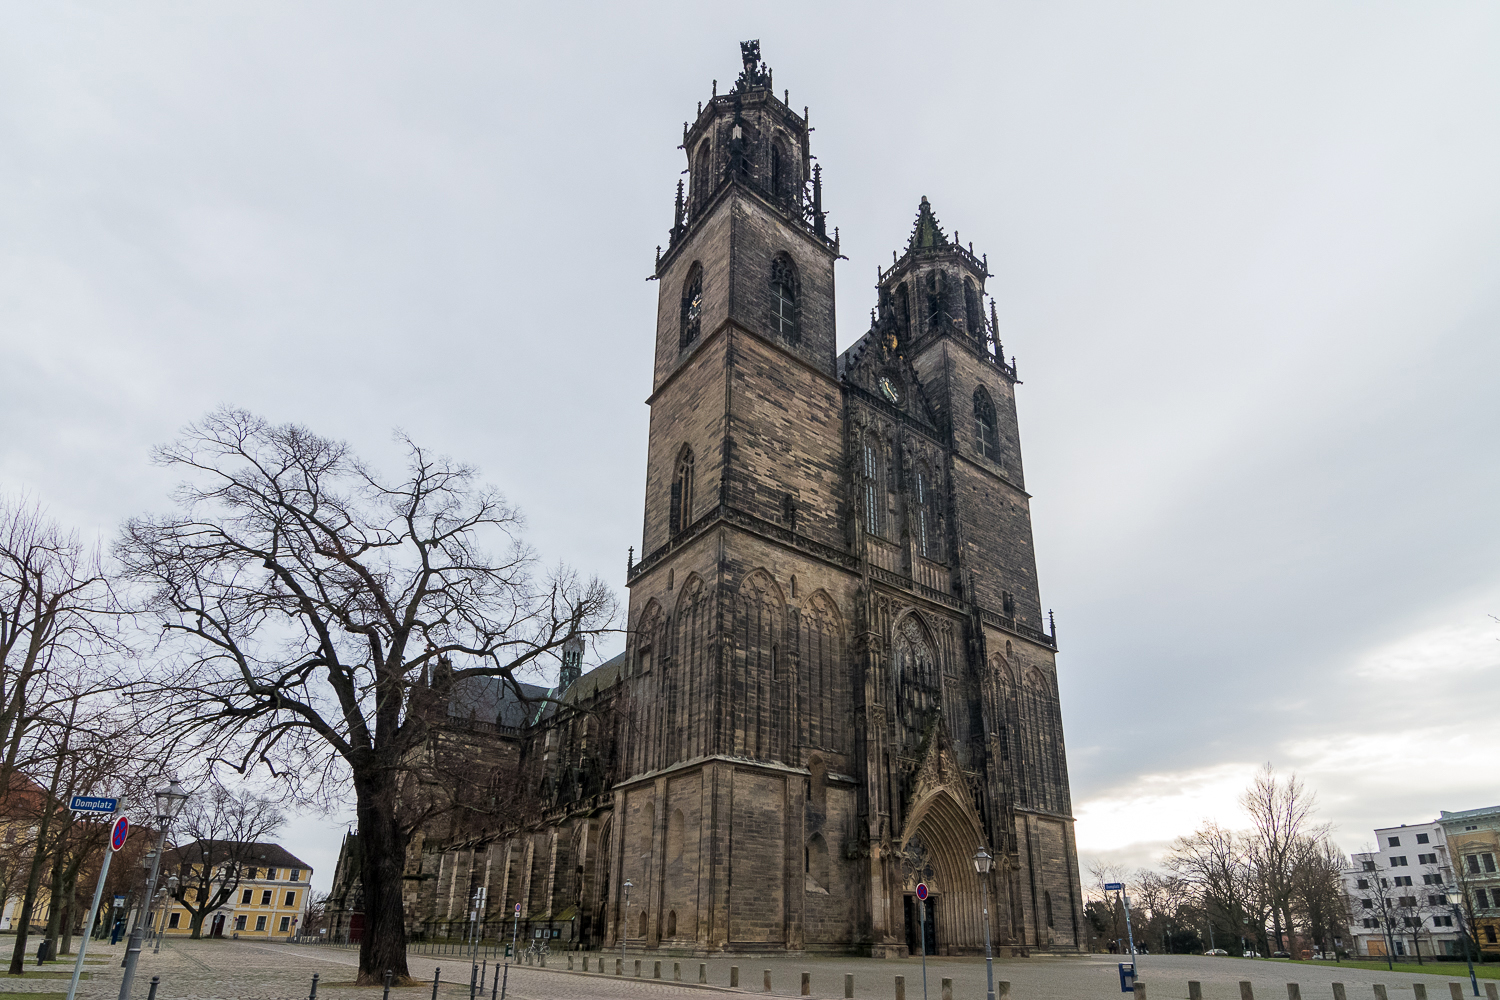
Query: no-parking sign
(922, 890)
(118, 833)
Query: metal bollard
(766, 984)
(504, 978)
(848, 985)
(1247, 992)
(1419, 991)
(900, 988)
(1338, 991)
(436, 972)
(702, 973)
(1002, 990)
(947, 989)
(655, 970)
(1195, 990)
(734, 977)
(387, 994)
(314, 994)
(806, 984)
(1456, 991)
(1380, 991)
(155, 982)
(1294, 992)
(484, 968)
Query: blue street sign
(89, 804)
(1114, 887)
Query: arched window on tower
(692, 307)
(682, 491)
(926, 520)
(702, 185)
(778, 170)
(986, 436)
(973, 313)
(784, 297)
(903, 310)
(871, 486)
(935, 294)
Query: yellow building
(267, 901)
(1474, 844)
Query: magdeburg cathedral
(838, 681)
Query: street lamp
(169, 802)
(982, 863)
(1456, 900)
(625, 925)
(165, 893)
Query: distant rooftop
(1481, 813)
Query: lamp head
(983, 861)
(169, 801)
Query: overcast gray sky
(1246, 254)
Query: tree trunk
(34, 883)
(195, 921)
(70, 890)
(55, 902)
(382, 863)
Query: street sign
(1114, 886)
(518, 909)
(922, 890)
(118, 833)
(89, 804)
(119, 901)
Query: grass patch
(1446, 970)
(35, 996)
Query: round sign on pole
(922, 891)
(118, 833)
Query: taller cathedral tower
(837, 681)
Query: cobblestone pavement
(240, 970)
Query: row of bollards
(1294, 991)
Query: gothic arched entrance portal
(939, 849)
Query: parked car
(1216, 951)
(1251, 954)
(1281, 954)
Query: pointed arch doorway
(938, 849)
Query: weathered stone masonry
(838, 681)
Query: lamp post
(1456, 900)
(625, 925)
(169, 802)
(982, 863)
(165, 893)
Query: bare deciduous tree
(1279, 813)
(224, 829)
(306, 594)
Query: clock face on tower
(888, 389)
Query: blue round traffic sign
(118, 833)
(922, 890)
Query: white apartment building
(1397, 894)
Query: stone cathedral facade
(837, 682)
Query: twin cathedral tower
(838, 681)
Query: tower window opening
(903, 310)
(778, 157)
(935, 295)
(986, 437)
(973, 314)
(692, 306)
(701, 183)
(682, 492)
(784, 297)
(923, 543)
(872, 488)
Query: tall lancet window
(973, 314)
(778, 155)
(682, 491)
(871, 476)
(784, 297)
(925, 540)
(986, 438)
(692, 307)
